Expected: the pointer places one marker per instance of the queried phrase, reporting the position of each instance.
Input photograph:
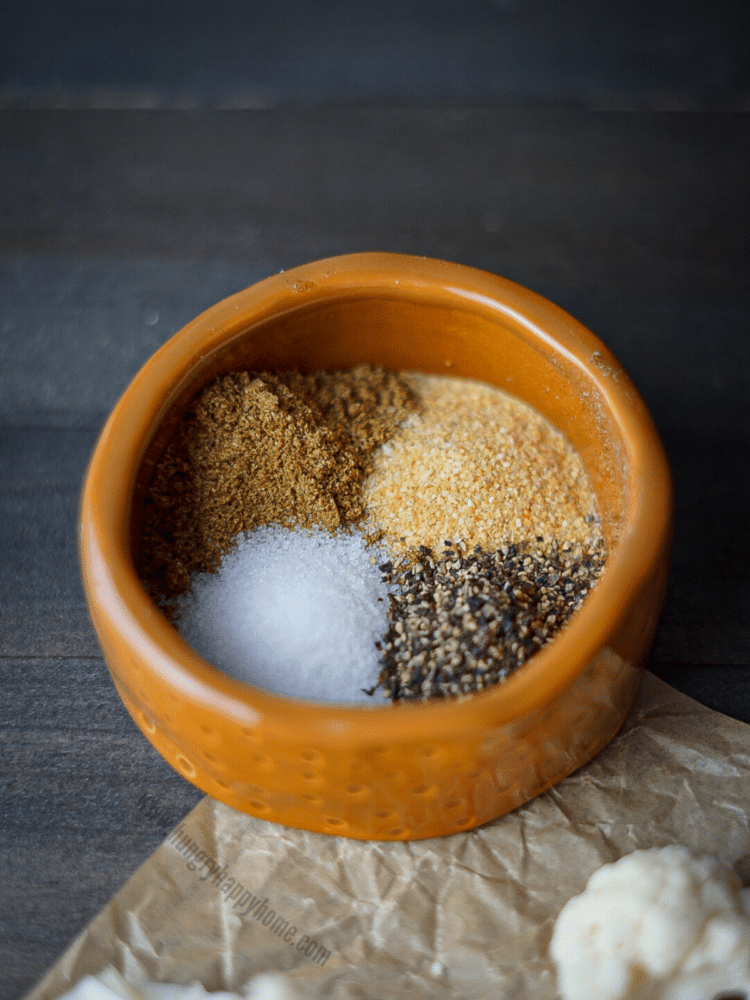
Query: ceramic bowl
(386, 772)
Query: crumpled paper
(228, 896)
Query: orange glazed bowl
(403, 771)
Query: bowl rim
(116, 594)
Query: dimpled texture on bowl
(391, 772)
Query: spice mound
(480, 467)
(311, 598)
(257, 448)
(356, 535)
(462, 622)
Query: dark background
(224, 53)
(158, 156)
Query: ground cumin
(260, 448)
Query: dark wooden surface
(662, 54)
(116, 228)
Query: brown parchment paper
(466, 916)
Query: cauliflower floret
(660, 924)
(109, 985)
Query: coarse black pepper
(461, 622)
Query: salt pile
(297, 612)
